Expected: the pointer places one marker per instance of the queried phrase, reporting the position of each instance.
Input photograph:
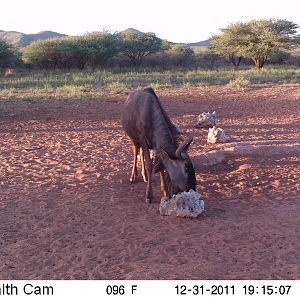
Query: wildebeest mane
(151, 91)
(168, 133)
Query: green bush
(136, 46)
(281, 57)
(9, 54)
(94, 49)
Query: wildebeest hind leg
(142, 158)
(148, 165)
(135, 149)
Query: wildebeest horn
(181, 152)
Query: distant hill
(22, 40)
(205, 43)
(132, 30)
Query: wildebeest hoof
(132, 179)
(149, 200)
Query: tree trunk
(259, 62)
(231, 57)
(234, 61)
(133, 61)
(239, 61)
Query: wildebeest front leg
(135, 149)
(148, 165)
(163, 185)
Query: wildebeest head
(180, 175)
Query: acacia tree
(227, 43)
(267, 38)
(137, 46)
(8, 54)
(257, 39)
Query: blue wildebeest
(149, 127)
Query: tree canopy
(94, 49)
(256, 39)
(136, 46)
(8, 54)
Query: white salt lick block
(185, 204)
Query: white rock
(217, 135)
(185, 204)
(207, 119)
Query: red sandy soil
(68, 211)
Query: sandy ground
(68, 211)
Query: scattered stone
(188, 116)
(216, 135)
(185, 204)
(207, 120)
(212, 158)
(244, 167)
(265, 148)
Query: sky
(184, 21)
